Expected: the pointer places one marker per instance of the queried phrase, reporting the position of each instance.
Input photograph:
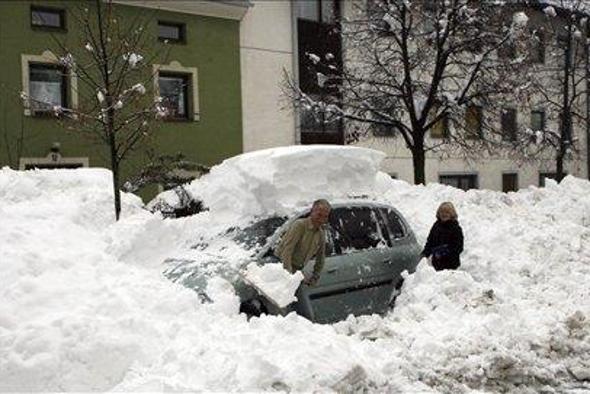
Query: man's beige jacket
(300, 243)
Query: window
(174, 90)
(537, 49)
(319, 122)
(441, 128)
(178, 86)
(537, 120)
(509, 182)
(173, 32)
(509, 124)
(394, 224)
(325, 11)
(382, 130)
(356, 228)
(47, 87)
(473, 121)
(48, 18)
(460, 181)
(257, 234)
(551, 175)
(46, 84)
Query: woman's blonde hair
(447, 207)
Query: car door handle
(386, 262)
(332, 270)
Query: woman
(445, 240)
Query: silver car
(369, 245)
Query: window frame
(537, 52)
(46, 57)
(385, 213)
(337, 245)
(472, 178)
(187, 89)
(61, 12)
(193, 93)
(509, 135)
(505, 188)
(543, 119)
(64, 88)
(181, 32)
(442, 123)
(478, 113)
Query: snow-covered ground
(84, 306)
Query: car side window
(355, 228)
(394, 224)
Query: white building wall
(266, 50)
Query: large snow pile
(83, 304)
(276, 180)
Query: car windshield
(256, 235)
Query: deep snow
(84, 306)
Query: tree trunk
(559, 173)
(419, 162)
(114, 158)
(566, 115)
(115, 169)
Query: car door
(404, 251)
(355, 276)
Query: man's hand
(311, 280)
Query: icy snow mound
(276, 180)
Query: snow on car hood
(276, 180)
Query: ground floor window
(545, 175)
(509, 182)
(460, 181)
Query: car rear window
(356, 228)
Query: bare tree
(112, 61)
(411, 67)
(561, 82)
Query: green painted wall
(212, 46)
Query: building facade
(200, 80)
(311, 31)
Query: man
(304, 239)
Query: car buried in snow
(368, 247)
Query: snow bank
(83, 304)
(277, 180)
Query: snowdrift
(83, 304)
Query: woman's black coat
(445, 244)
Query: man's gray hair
(321, 203)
